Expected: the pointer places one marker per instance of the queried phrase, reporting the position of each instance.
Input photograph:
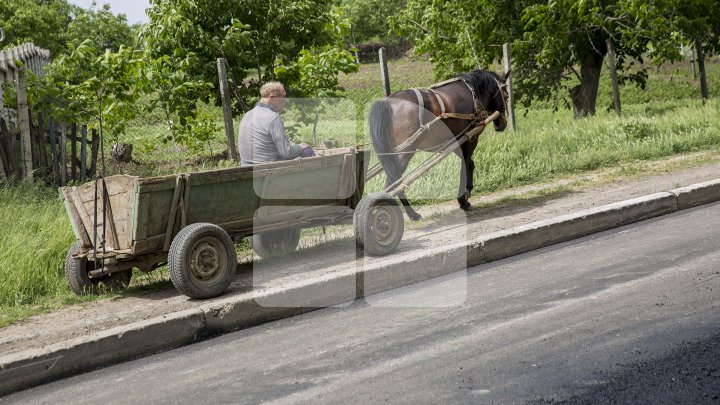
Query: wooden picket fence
(32, 144)
(60, 152)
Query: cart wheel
(378, 224)
(76, 272)
(269, 244)
(202, 260)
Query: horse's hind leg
(411, 213)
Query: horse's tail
(380, 123)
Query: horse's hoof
(415, 216)
(465, 205)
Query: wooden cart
(191, 221)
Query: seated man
(261, 137)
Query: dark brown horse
(461, 103)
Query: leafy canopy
(556, 44)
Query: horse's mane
(481, 80)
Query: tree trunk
(584, 95)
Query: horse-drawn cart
(191, 221)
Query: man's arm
(285, 149)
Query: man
(262, 136)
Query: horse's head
(498, 102)
(491, 91)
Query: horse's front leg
(467, 171)
(463, 192)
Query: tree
(104, 29)
(370, 19)
(256, 37)
(40, 22)
(556, 44)
(102, 88)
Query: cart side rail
(101, 211)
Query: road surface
(630, 315)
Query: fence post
(40, 140)
(701, 68)
(24, 123)
(614, 77)
(227, 109)
(53, 149)
(4, 164)
(73, 153)
(384, 72)
(83, 153)
(508, 82)
(63, 153)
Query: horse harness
(479, 113)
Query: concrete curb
(36, 366)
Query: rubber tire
(76, 273)
(275, 243)
(181, 266)
(363, 224)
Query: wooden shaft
(374, 171)
(448, 148)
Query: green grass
(35, 234)
(665, 120)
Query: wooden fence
(60, 152)
(33, 145)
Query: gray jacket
(262, 138)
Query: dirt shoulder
(444, 224)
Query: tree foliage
(41, 22)
(256, 37)
(100, 87)
(370, 19)
(556, 44)
(104, 29)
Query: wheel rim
(208, 260)
(384, 224)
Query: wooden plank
(85, 219)
(108, 218)
(75, 219)
(385, 77)
(53, 149)
(10, 155)
(346, 185)
(35, 146)
(5, 168)
(158, 184)
(227, 109)
(73, 153)
(83, 153)
(151, 244)
(184, 206)
(63, 153)
(170, 229)
(24, 123)
(509, 86)
(42, 155)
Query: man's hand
(304, 145)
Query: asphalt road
(629, 315)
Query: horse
(424, 119)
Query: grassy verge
(35, 234)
